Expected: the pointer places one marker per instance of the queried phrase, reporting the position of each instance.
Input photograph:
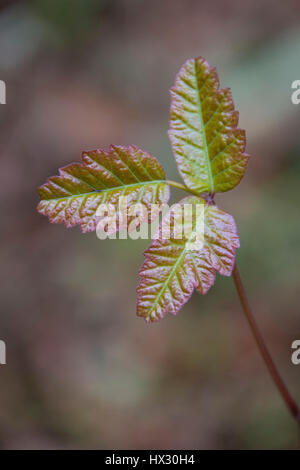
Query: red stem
(290, 403)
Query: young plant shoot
(209, 150)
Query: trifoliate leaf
(174, 267)
(208, 147)
(74, 196)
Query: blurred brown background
(82, 371)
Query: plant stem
(182, 186)
(290, 403)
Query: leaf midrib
(211, 182)
(114, 188)
(165, 284)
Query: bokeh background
(82, 370)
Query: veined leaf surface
(74, 196)
(207, 145)
(172, 270)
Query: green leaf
(74, 196)
(173, 268)
(208, 146)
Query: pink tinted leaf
(172, 270)
(207, 145)
(74, 196)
